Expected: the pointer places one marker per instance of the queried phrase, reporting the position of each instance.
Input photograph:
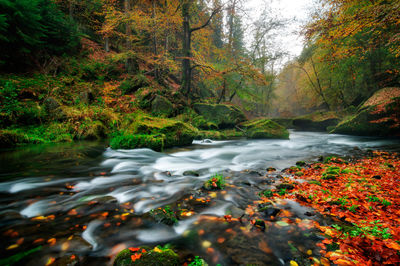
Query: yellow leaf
(12, 246)
(293, 263)
(156, 249)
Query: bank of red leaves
(365, 200)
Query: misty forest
(199, 132)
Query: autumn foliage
(363, 198)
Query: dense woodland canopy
(351, 51)
(199, 51)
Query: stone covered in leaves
(157, 256)
(264, 129)
(379, 115)
(222, 115)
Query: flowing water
(91, 201)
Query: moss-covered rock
(172, 132)
(123, 140)
(161, 106)
(155, 257)
(9, 138)
(222, 115)
(378, 116)
(264, 129)
(286, 122)
(319, 121)
(164, 215)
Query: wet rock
(236, 212)
(309, 213)
(206, 141)
(269, 212)
(164, 215)
(377, 177)
(287, 186)
(67, 260)
(271, 169)
(191, 173)
(260, 224)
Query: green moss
(123, 140)
(316, 121)
(264, 129)
(161, 106)
(222, 115)
(10, 138)
(266, 193)
(380, 119)
(164, 215)
(155, 257)
(176, 133)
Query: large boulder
(319, 121)
(378, 116)
(222, 115)
(264, 129)
(162, 132)
(161, 106)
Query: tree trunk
(129, 63)
(156, 72)
(186, 69)
(107, 44)
(71, 9)
(222, 96)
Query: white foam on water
(39, 208)
(101, 181)
(88, 235)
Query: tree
(186, 42)
(34, 29)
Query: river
(91, 201)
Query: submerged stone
(191, 173)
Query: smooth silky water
(95, 201)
